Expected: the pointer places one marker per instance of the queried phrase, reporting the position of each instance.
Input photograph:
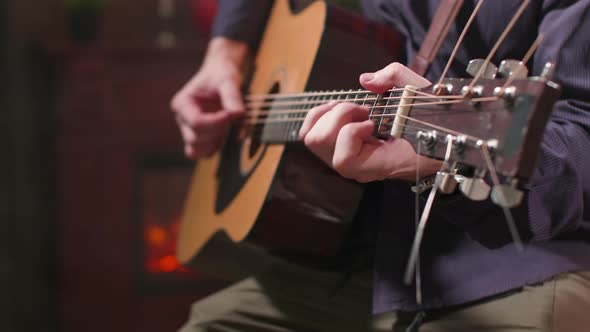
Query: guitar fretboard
(281, 116)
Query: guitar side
(270, 193)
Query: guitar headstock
(503, 118)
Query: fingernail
(367, 77)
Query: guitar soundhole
(255, 142)
(256, 133)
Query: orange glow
(161, 207)
(168, 263)
(156, 236)
(160, 245)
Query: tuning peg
(476, 189)
(506, 195)
(446, 182)
(514, 68)
(548, 70)
(475, 65)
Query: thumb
(394, 75)
(231, 97)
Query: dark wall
(31, 33)
(27, 281)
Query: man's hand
(341, 134)
(206, 105)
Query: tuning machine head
(446, 182)
(513, 68)
(548, 71)
(507, 195)
(489, 72)
(475, 188)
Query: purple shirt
(467, 253)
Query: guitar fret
(363, 104)
(296, 125)
(300, 116)
(345, 96)
(286, 130)
(383, 130)
(265, 129)
(356, 98)
(380, 121)
(375, 111)
(337, 96)
(284, 121)
(360, 99)
(287, 125)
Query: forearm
(225, 50)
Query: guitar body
(280, 197)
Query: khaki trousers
(289, 298)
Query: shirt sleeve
(557, 201)
(241, 20)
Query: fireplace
(161, 187)
(120, 184)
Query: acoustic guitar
(265, 187)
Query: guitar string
(524, 60)
(281, 95)
(460, 41)
(257, 104)
(424, 96)
(415, 129)
(476, 78)
(415, 251)
(426, 124)
(412, 129)
(500, 40)
(263, 116)
(417, 273)
(254, 119)
(507, 214)
(474, 81)
(509, 218)
(409, 130)
(416, 270)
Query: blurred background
(92, 176)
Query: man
(473, 278)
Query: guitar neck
(510, 124)
(280, 116)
